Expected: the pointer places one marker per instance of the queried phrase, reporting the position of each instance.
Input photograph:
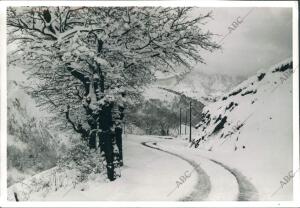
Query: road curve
(246, 190)
(203, 186)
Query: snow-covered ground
(154, 167)
(250, 128)
(148, 174)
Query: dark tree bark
(109, 156)
(106, 138)
(118, 131)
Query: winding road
(203, 188)
(153, 167)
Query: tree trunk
(107, 121)
(116, 158)
(92, 139)
(92, 142)
(109, 156)
(118, 132)
(108, 140)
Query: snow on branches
(81, 56)
(84, 62)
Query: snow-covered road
(202, 187)
(154, 169)
(216, 181)
(147, 174)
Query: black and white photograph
(169, 103)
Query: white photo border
(296, 182)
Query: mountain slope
(199, 85)
(32, 146)
(178, 90)
(252, 125)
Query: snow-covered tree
(84, 63)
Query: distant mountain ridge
(198, 85)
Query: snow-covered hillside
(228, 117)
(32, 145)
(192, 86)
(195, 84)
(207, 87)
(252, 124)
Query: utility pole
(180, 122)
(190, 121)
(124, 130)
(186, 115)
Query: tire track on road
(247, 191)
(203, 185)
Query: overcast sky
(263, 38)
